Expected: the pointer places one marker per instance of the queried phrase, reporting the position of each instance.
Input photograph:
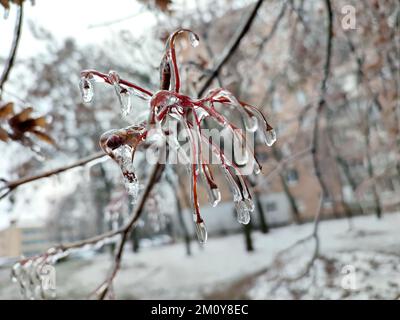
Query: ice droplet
(123, 156)
(232, 184)
(194, 39)
(125, 100)
(201, 114)
(214, 196)
(16, 272)
(123, 94)
(113, 77)
(87, 91)
(201, 232)
(269, 137)
(251, 123)
(243, 212)
(240, 151)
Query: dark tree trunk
(135, 239)
(247, 229)
(264, 228)
(378, 207)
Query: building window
(270, 206)
(292, 176)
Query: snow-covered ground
(223, 269)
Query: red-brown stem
(121, 81)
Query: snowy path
(167, 273)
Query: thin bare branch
(14, 47)
(231, 48)
(12, 185)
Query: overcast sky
(73, 18)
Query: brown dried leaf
(5, 4)
(43, 136)
(40, 122)
(3, 135)
(163, 5)
(6, 109)
(23, 115)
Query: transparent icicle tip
(194, 39)
(251, 123)
(270, 137)
(87, 91)
(201, 232)
(214, 196)
(125, 100)
(243, 209)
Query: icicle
(268, 132)
(269, 137)
(201, 232)
(125, 100)
(243, 212)
(251, 123)
(87, 91)
(214, 196)
(232, 184)
(201, 113)
(123, 156)
(241, 154)
(123, 94)
(16, 272)
(194, 39)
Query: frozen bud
(269, 137)
(243, 211)
(87, 91)
(201, 232)
(194, 39)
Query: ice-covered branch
(9, 186)
(232, 46)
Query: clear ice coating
(243, 212)
(123, 94)
(194, 39)
(125, 100)
(123, 156)
(257, 168)
(201, 232)
(269, 137)
(251, 123)
(35, 276)
(214, 196)
(87, 91)
(240, 152)
(29, 277)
